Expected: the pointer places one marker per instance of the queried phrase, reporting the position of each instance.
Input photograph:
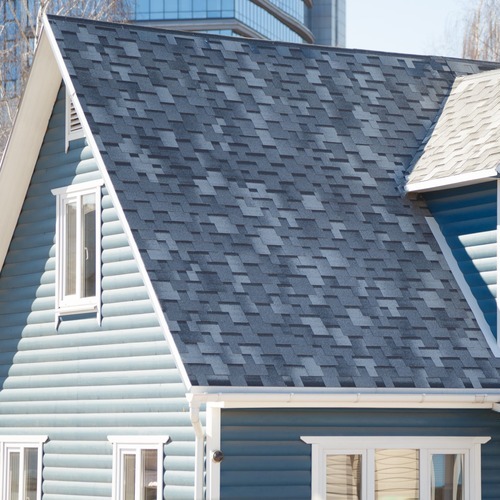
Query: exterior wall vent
(74, 129)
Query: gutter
(244, 398)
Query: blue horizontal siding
(84, 381)
(467, 217)
(265, 458)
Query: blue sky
(409, 26)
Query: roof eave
(301, 397)
(26, 139)
(452, 181)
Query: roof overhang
(452, 181)
(23, 146)
(249, 397)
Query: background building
(321, 21)
(310, 21)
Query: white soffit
(26, 138)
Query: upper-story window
(78, 246)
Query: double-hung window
(21, 472)
(78, 248)
(138, 467)
(396, 468)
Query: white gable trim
(25, 141)
(464, 286)
(121, 215)
(451, 181)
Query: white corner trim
(116, 203)
(451, 181)
(213, 430)
(464, 286)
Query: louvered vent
(74, 129)
(75, 126)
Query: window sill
(77, 310)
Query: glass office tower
(310, 21)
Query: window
(78, 224)
(396, 468)
(22, 467)
(138, 467)
(74, 129)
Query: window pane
(447, 477)
(128, 477)
(396, 475)
(70, 250)
(149, 474)
(343, 477)
(13, 486)
(89, 245)
(30, 473)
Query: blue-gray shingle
(260, 181)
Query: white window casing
(22, 446)
(133, 447)
(366, 446)
(78, 250)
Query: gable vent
(74, 129)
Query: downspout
(199, 459)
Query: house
(243, 269)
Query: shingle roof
(260, 181)
(466, 138)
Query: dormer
(456, 172)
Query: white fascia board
(244, 397)
(116, 203)
(26, 138)
(451, 181)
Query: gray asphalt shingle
(261, 183)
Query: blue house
(242, 269)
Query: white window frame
(20, 443)
(134, 445)
(74, 304)
(365, 446)
(73, 127)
